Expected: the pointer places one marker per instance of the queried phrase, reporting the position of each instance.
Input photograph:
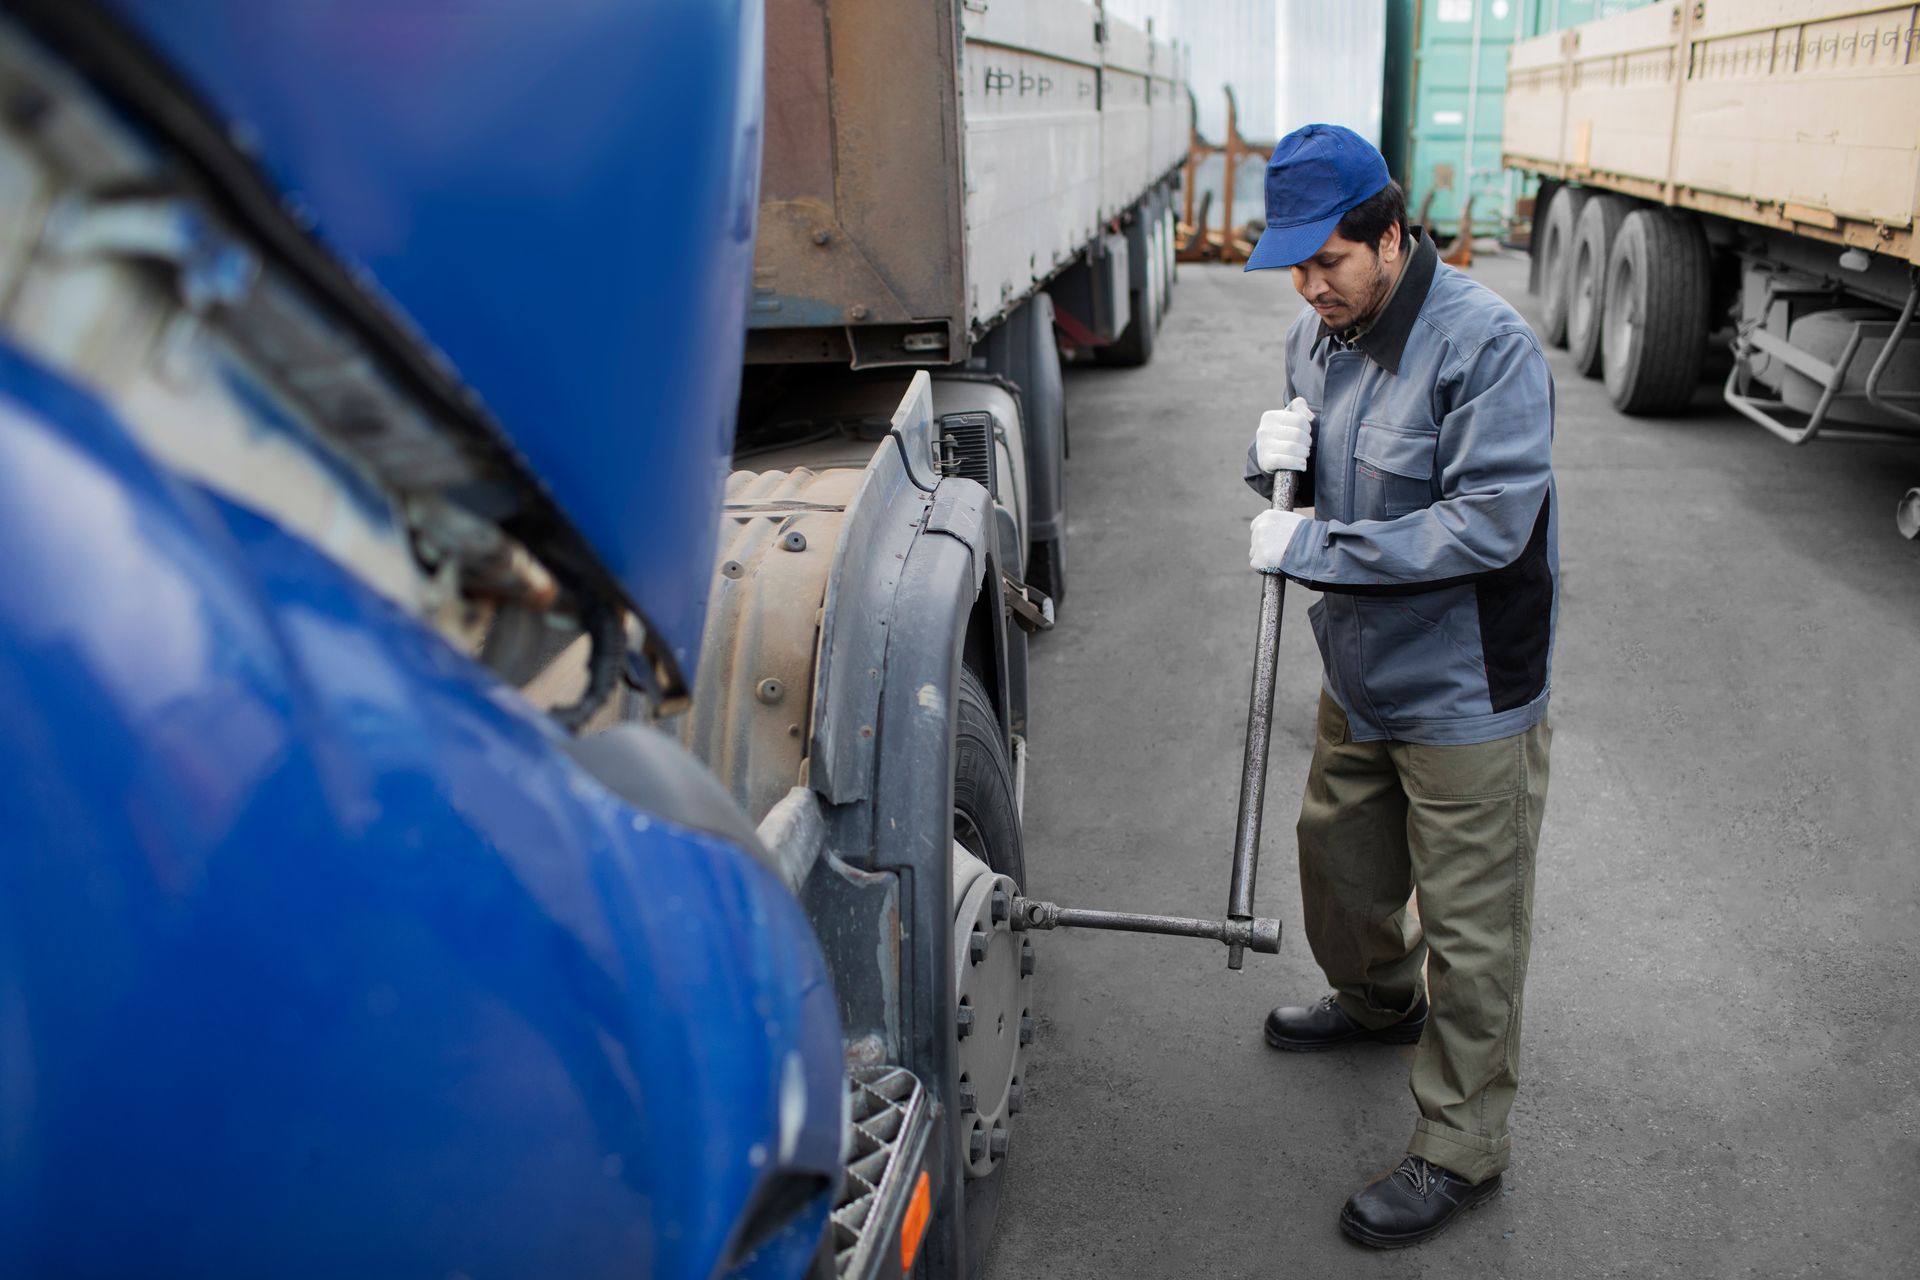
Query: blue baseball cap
(1316, 174)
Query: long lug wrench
(1253, 768)
(1241, 929)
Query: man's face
(1348, 281)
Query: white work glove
(1285, 438)
(1272, 531)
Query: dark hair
(1369, 220)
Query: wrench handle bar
(1260, 935)
(1253, 768)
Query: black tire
(987, 821)
(1134, 346)
(1658, 292)
(1556, 263)
(1593, 238)
(1170, 263)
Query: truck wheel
(1655, 311)
(1045, 399)
(1170, 258)
(1556, 263)
(1174, 250)
(994, 963)
(1593, 239)
(1134, 347)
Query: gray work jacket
(1435, 540)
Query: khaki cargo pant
(1459, 824)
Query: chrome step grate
(886, 1121)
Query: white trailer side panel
(1816, 112)
(1063, 132)
(1126, 118)
(1030, 106)
(1171, 109)
(1536, 101)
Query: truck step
(889, 1121)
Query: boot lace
(1421, 1177)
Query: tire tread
(1673, 327)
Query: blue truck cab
(356, 360)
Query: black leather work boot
(1415, 1202)
(1324, 1024)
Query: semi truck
(519, 528)
(1743, 171)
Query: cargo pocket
(1393, 471)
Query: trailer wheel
(1658, 289)
(1556, 262)
(1593, 239)
(1134, 347)
(1169, 235)
(986, 824)
(1045, 400)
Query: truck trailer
(951, 192)
(1742, 168)
(515, 682)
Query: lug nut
(978, 1145)
(1002, 904)
(964, 1020)
(977, 945)
(1026, 957)
(1016, 1098)
(794, 540)
(998, 1143)
(969, 1101)
(1026, 1027)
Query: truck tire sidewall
(1046, 398)
(987, 821)
(1652, 354)
(1168, 235)
(1593, 239)
(1134, 347)
(1556, 269)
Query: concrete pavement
(1719, 1072)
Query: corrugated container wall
(1230, 42)
(1459, 79)
(1330, 58)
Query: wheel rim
(1585, 290)
(993, 971)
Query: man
(1421, 421)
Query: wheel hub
(993, 971)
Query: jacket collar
(1385, 340)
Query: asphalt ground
(1719, 1069)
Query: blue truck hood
(561, 197)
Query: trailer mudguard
(318, 954)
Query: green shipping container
(1446, 75)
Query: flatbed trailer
(1750, 166)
